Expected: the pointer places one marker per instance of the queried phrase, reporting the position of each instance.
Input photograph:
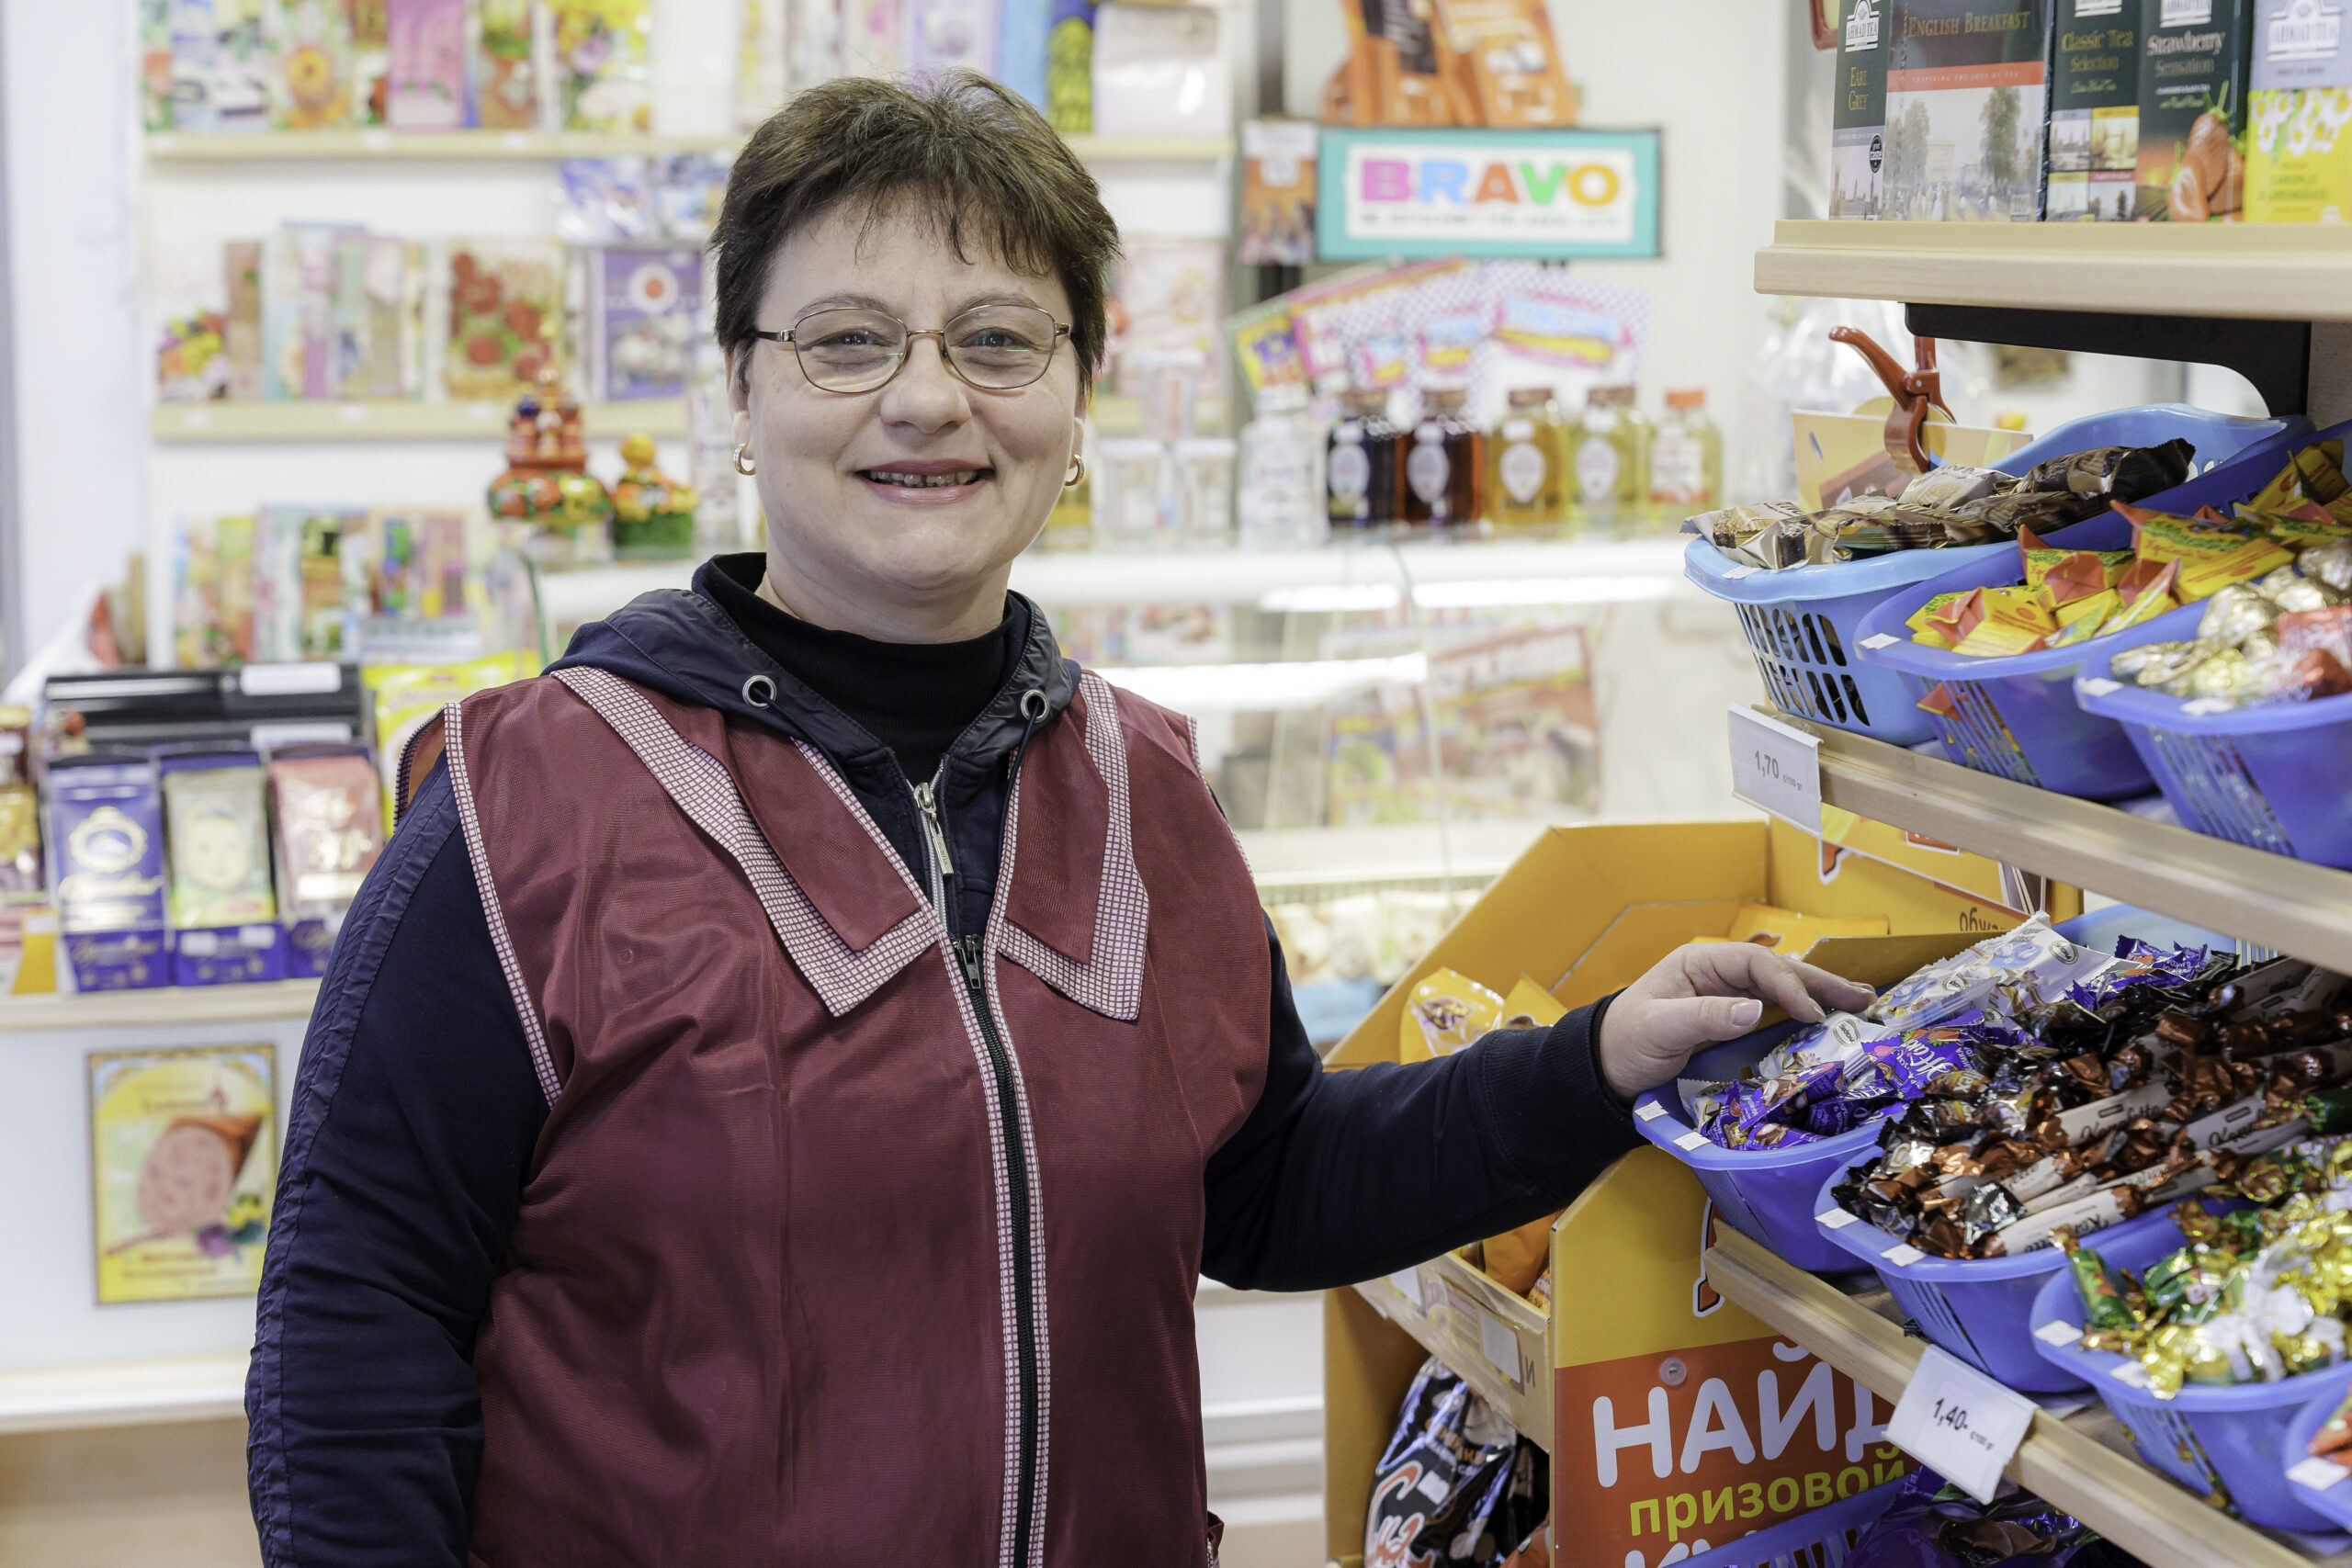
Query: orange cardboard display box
(1675, 1421)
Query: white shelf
(392, 420)
(158, 1006)
(208, 1386)
(377, 146)
(1231, 576)
(2277, 271)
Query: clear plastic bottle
(1362, 485)
(1686, 459)
(1609, 460)
(1522, 487)
(1280, 496)
(1444, 463)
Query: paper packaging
(224, 908)
(2193, 68)
(183, 1161)
(1857, 111)
(2299, 152)
(503, 74)
(2093, 112)
(1509, 61)
(641, 336)
(328, 810)
(105, 830)
(1966, 103)
(427, 39)
(1277, 193)
(1157, 71)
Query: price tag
(1499, 1345)
(1692, 1141)
(1407, 1282)
(1906, 1253)
(1737, 572)
(1776, 767)
(2319, 1475)
(1879, 639)
(1836, 1219)
(2058, 1333)
(1959, 1423)
(1648, 1110)
(2097, 685)
(2206, 707)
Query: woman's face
(851, 544)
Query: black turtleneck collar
(914, 697)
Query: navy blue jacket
(416, 1113)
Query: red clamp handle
(1914, 392)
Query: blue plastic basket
(2331, 1503)
(1766, 1195)
(2017, 717)
(1771, 1195)
(1818, 1540)
(2201, 1436)
(1801, 624)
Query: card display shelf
(2269, 900)
(2083, 1463)
(153, 1391)
(393, 420)
(1365, 576)
(377, 144)
(2275, 272)
(158, 1006)
(1493, 1338)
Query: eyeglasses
(998, 348)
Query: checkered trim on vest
(700, 784)
(469, 823)
(1111, 983)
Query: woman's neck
(947, 622)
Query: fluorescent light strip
(1501, 592)
(1256, 688)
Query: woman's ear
(738, 391)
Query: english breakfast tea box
(1857, 115)
(1967, 98)
(2093, 112)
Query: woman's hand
(1698, 994)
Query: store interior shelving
(393, 420)
(166, 1005)
(381, 145)
(205, 1385)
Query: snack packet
(1444, 1013)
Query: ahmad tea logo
(2083, 8)
(2306, 30)
(1861, 26)
(2186, 13)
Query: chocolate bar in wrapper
(330, 830)
(224, 905)
(105, 820)
(1953, 483)
(2119, 473)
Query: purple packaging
(228, 955)
(105, 822)
(643, 345)
(428, 43)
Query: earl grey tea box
(1857, 115)
(2194, 59)
(2094, 146)
(1967, 99)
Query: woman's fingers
(1835, 990)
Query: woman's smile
(935, 483)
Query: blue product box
(228, 955)
(105, 828)
(310, 944)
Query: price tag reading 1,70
(1959, 1423)
(1776, 767)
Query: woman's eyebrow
(869, 302)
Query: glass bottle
(1444, 463)
(1522, 487)
(1280, 496)
(1686, 457)
(1609, 460)
(1363, 487)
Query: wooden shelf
(380, 420)
(379, 145)
(2082, 1462)
(2266, 899)
(2293, 272)
(1474, 1325)
(207, 1386)
(159, 1006)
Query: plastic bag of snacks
(1932, 1525)
(1456, 1487)
(2145, 1082)
(1950, 505)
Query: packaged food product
(1516, 1257)
(1444, 1013)
(330, 819)
(106, 827)
(1454, 1472)
(1949, 58)
(1506, 50)
(2299, 157)
(223, 906)
(1857, 110)
(2193, 69)
(2094, 114)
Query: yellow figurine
(653, 514)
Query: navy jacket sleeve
(1347, 1176)
(415, 1110)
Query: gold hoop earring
(1076, 475)
(740, 466)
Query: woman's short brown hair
(966, 151)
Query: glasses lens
(847, 351)
(1001, 345)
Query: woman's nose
(926, 393)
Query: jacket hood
(680, 643)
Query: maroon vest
(816, 1261)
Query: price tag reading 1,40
(1776, 767)
(1959, 1423)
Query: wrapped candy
(1954, 483)
(2124, 473)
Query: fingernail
(1745, 1014)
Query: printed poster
(184, 1161)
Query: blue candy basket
(2017, 717)
(1818, 1540)
(1801, 624)
(2333, 1503)
(2202, 1435)
(1772, 1195)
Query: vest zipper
(1016, 1162)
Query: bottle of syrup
(1362, 486)
(1444, 463)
